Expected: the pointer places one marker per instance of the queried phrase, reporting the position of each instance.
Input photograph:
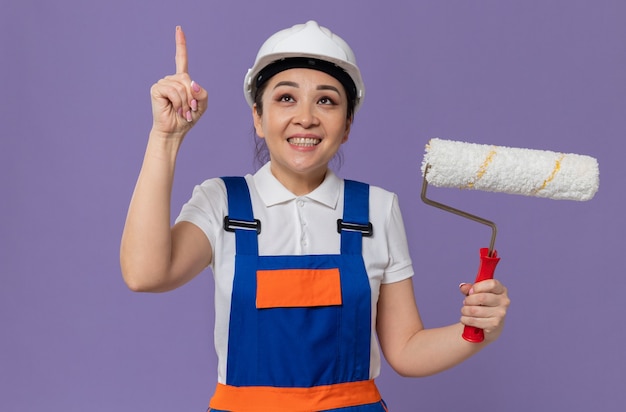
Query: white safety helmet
(308, 40)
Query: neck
(300, 184)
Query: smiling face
(304, 121)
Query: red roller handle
(485, 271)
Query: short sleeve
(206, 209)
(400, 266)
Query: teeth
(304, 141)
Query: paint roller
(540, 173)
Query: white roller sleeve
(527, 172)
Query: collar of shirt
(272, 192)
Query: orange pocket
(290, 288)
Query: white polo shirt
(297, 225)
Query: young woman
(312, 272)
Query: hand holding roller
(527, 172)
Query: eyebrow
(328, 87)
(286, 83)
(296, 85)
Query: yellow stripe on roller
(483, 168)
(555, 170)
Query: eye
(326, 100)
(287, 98)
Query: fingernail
(471, 292)
(188, 116)
(194, 105)
(195, 86)
(180, 111)
(462, 284)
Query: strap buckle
(230, 225)
(366, 230)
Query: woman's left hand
(485, 307)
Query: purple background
(547, 75)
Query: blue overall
(299, 347)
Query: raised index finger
(181, 51)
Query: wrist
(164, 145)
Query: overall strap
(240, 218)
(355, 223)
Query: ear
(347, 132)
(258, 122)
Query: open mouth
(304, 141)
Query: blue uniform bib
(300, 326)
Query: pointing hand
(177, 101)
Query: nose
(306, 116)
